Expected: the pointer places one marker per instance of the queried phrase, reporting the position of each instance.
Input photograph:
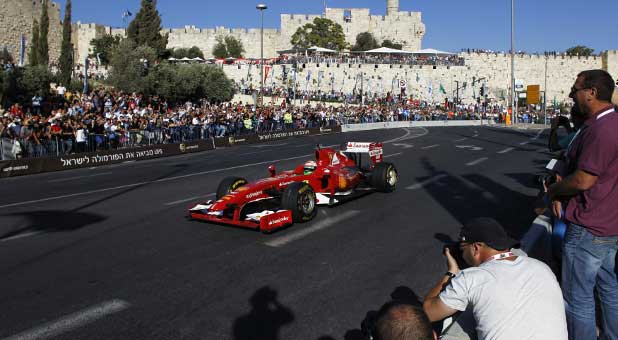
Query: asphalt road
(106, 253)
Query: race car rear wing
(373, 149)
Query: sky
(452, 25)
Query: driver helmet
(309, 167)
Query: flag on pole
(126, 14)
(22, 50)
(430, 88)
(442, 89)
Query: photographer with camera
(512, 297)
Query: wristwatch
(450, 275)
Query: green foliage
(127, 67)
(391, 44)
(227, 47)
(321, 32)
(33, 54)
(220, 50)
(35, 80)
(6, 56)
(8, 86)
(145, 29)
(579, 50)
(66, 50)
(182, 82)
(364, 42)
(192, 52)
(43, 48)
(104, 46)
(234, 47)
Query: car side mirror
(272, 171)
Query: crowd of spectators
(108, 119)
(400, 59)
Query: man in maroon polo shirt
(591, 192)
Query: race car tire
(384, 177)
(300, 199)
(229, 184)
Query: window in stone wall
(347, 15)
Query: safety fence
(27, 166)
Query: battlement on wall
(523, 56)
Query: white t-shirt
(61, 90)
(511, 300)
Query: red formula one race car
(292, 196)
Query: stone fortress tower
(16, 18)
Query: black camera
(546, 179)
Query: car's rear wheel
(229, 184)
(384, 177)
(300, 198)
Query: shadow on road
(475, 195)
(266, 317)
(53, 221)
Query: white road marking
(524, 143)
(404, 145)
(393, 154)
(471, 147)
(190, 199)
(506, 150)
(18, 236)
(267, 145)
(475, 162)
(77, 177)
(538, 134)
(421, 184)
(460, 139)
(319, 225)
(148, 182)
(430, 146)
(72, 321)
(407, 135)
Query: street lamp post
(261, 8)
(513, 99)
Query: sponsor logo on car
(254, 194)
(282, 184)
(279, 220)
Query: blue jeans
(589, 261)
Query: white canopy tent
(432, 52)
(320, 49)
(387, 50)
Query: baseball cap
(488, 231)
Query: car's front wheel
(229, 184)
(300, 198)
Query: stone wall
(381, 78)
(16, 17)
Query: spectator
(512, 297)
(400, 321)
(590, 188)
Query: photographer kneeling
(512, 297)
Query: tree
(391, 44)
(234, 47)
(130, 65)
(365, 42)
(145, 29)
(220, 49)
(321, 32)
(33, 55)
(228, 46)
(35, 80)
(192, 52)
(43, 33)
(7, 58)
(579, 50)
(102, 47)
(66, 50)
